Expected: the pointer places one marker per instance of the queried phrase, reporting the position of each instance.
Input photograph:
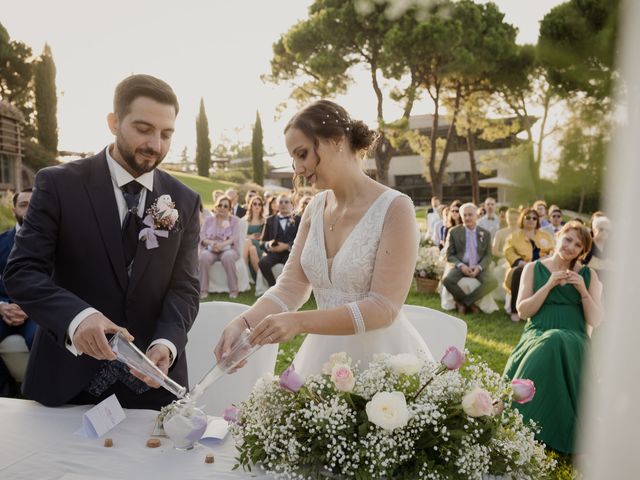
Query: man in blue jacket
(14, 320)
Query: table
(39, 443)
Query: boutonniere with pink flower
(161, 219)
(481, 235)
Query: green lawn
(204, 186)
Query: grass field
(204, 186)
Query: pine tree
(257, 152)
(203, 143)
(46, 101)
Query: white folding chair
(15, 355)
(486, 304)
(261, 284)
(203, 337)
(439, 330)
(218, 277)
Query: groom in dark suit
(280, 231)
(468, 248)
(79, 270)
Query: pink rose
(230, 414)
(477, 403)
(290, 380)
(452, 358)
(342, 377)
(523, 390)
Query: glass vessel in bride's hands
(239, 352)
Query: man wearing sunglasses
(555, 215)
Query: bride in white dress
(356, 249)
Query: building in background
(11, 152)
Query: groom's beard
(129, 156)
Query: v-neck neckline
(328, 270)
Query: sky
(215, 49)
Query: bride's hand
(230, 335)
(277, 328)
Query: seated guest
(490, 220)
(554, 227)
(502, 213)
(525, 245)
(540, 207)
(561, 297)
(497, 249)
(468, 249)
(14, 320)
(432, 215)
(236, 208)
(219, 242)
(279, 233)
(442, 212)
(452, 220)
(302, 204)
(501, 235)
(597, 256)
(270, 205)
(255, 225)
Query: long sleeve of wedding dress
(392, 271)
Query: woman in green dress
(561, 299)
(255, 224)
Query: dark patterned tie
(131, 223)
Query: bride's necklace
(333, 224)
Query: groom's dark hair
(142, 86)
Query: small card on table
(102, 418)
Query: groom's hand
(90, 336)
(160, 355)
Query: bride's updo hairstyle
(326, 120)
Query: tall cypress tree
(46, 101)
(257, 151)
(203, 143)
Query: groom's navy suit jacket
(68, 256)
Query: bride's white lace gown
(370, 275)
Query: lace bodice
(347, 277)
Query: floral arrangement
(429, 263)
(161, 218)
(403, 418)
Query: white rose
(173, 215)
(164, 203)
(342, 377)
(405, 363)
(388, 410)
(477, 403)
(334, 359)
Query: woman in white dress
(356, 248)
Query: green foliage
(238, 175)
(257, 152)
(577, 44)
(36, 156)
(7, 218)
(16, 73)
(203, 143)
(450, 57)
(581, 166)
(46, 101)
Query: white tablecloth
(39, 443)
